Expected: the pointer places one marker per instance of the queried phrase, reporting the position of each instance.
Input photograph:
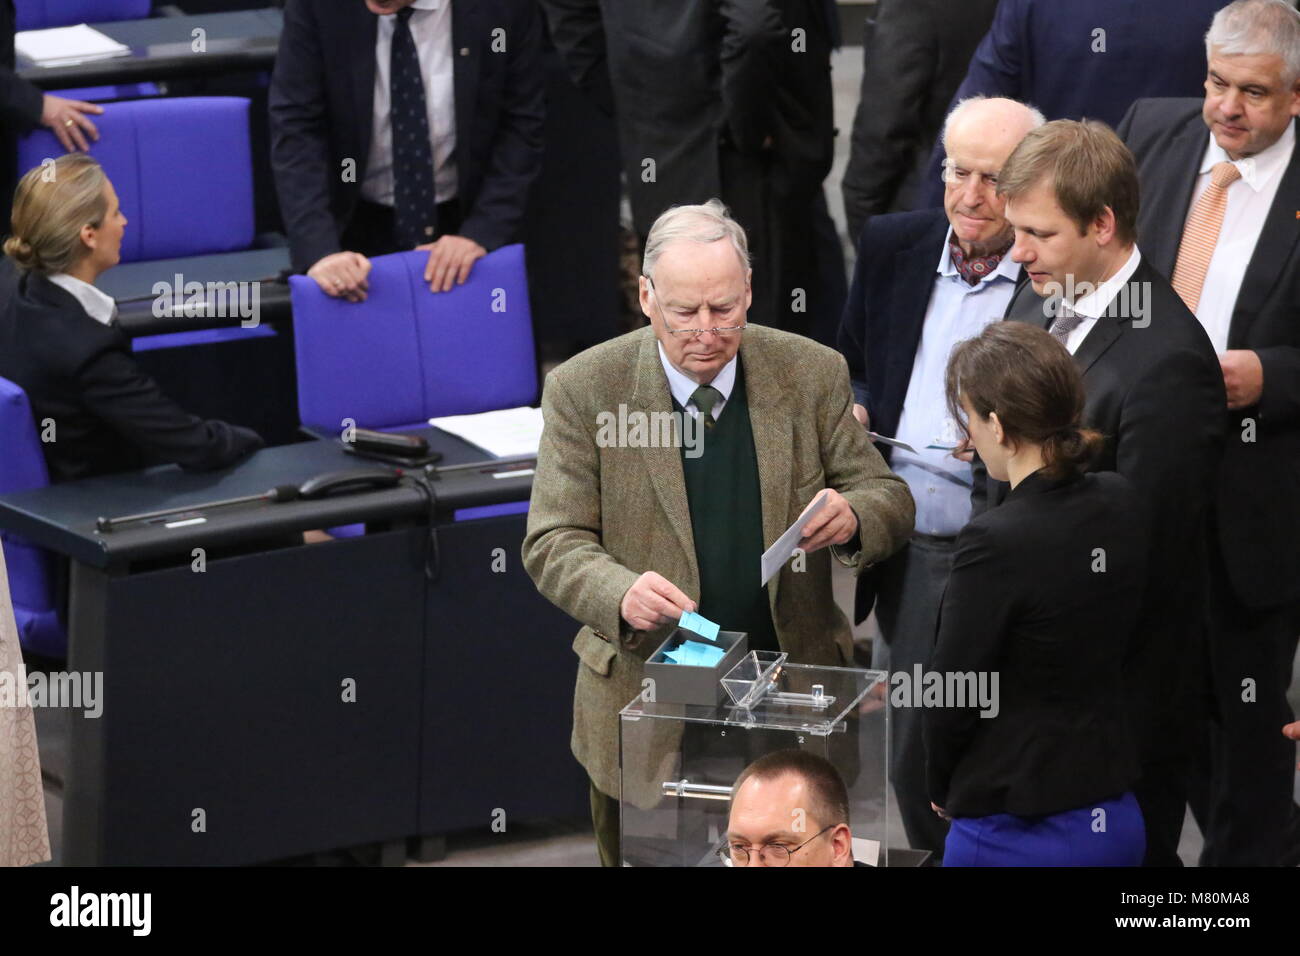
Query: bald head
(978, 137)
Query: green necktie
(705, 397)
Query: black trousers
(1242, 789)
(909, 592)
(370, 231)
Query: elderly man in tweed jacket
(626, 532)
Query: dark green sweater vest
(726, 504)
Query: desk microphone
(276, 494)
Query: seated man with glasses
(789, 808)
(630, 526)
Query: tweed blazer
(601, 516)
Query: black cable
(424, 481)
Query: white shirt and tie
(1091, 307)
(683, 388)
(1249, 200)
(431, 30)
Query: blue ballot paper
(700, 625)
(695, 654)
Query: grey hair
(704, 223)
(1258, 27)
(1036, 118)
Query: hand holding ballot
(833, 523)
(653, 600)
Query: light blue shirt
(684, 387)
(941, 484)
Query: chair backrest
(31, 571)
(39, 14)
(182, 169)
(406, 354)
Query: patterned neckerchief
(973, 270)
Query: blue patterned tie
(414, 208)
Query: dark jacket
(684, 77)
(914, 56)
(1155, 391)
(1086, 60)
(21, 104)
(321, 106)
(1028, 600)
(107, 414)
(1257, 503)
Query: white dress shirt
(941, 484)
(683, 387)
(1249, 200)
(431, 31)
(99, 305)
(1092, 306)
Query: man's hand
(342, 274)
(1243, 377)
(939, 810)
(1292, 730)
(964, 451)
(834, 524)
(653, 600)
(68, 121)
(860, 413)
(450, 259)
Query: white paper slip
(788, 543)
(62, 46)
(894, 442)
(502, 434)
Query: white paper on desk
(786, 545)
(62, 46)
(502, 434)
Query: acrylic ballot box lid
(765, 690)
(679, 762)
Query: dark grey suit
(1248, 815)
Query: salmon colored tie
(1202, 233)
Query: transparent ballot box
(679, 760)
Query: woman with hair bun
(60, 343)
(1044, 593)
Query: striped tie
(1201, 233)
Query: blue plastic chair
(42, 14)
(406, 355)
(174, 163)
(31, 570)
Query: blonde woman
(59, 340)
(24, 838)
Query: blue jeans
(1105, 833)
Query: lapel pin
(464, 51)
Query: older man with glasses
(627, 535)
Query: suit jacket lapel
(366, 35)
(651, 394)
(771, 417)
(914, 269)
(1172, 196)
(1029, 307)
(1276, 243)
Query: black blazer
(1026, 599)
(880, 331)
(1257, 505)
(21, 104)
(321, 106)
(108, 414)
(1156, 393)
(682, 77)
(918, 50)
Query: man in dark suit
(1086, 60)
(401, 124)
(925, 281)
(730, 100)
(1155, 392)
(1237, 262)
(914, 56)
(23, 107)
